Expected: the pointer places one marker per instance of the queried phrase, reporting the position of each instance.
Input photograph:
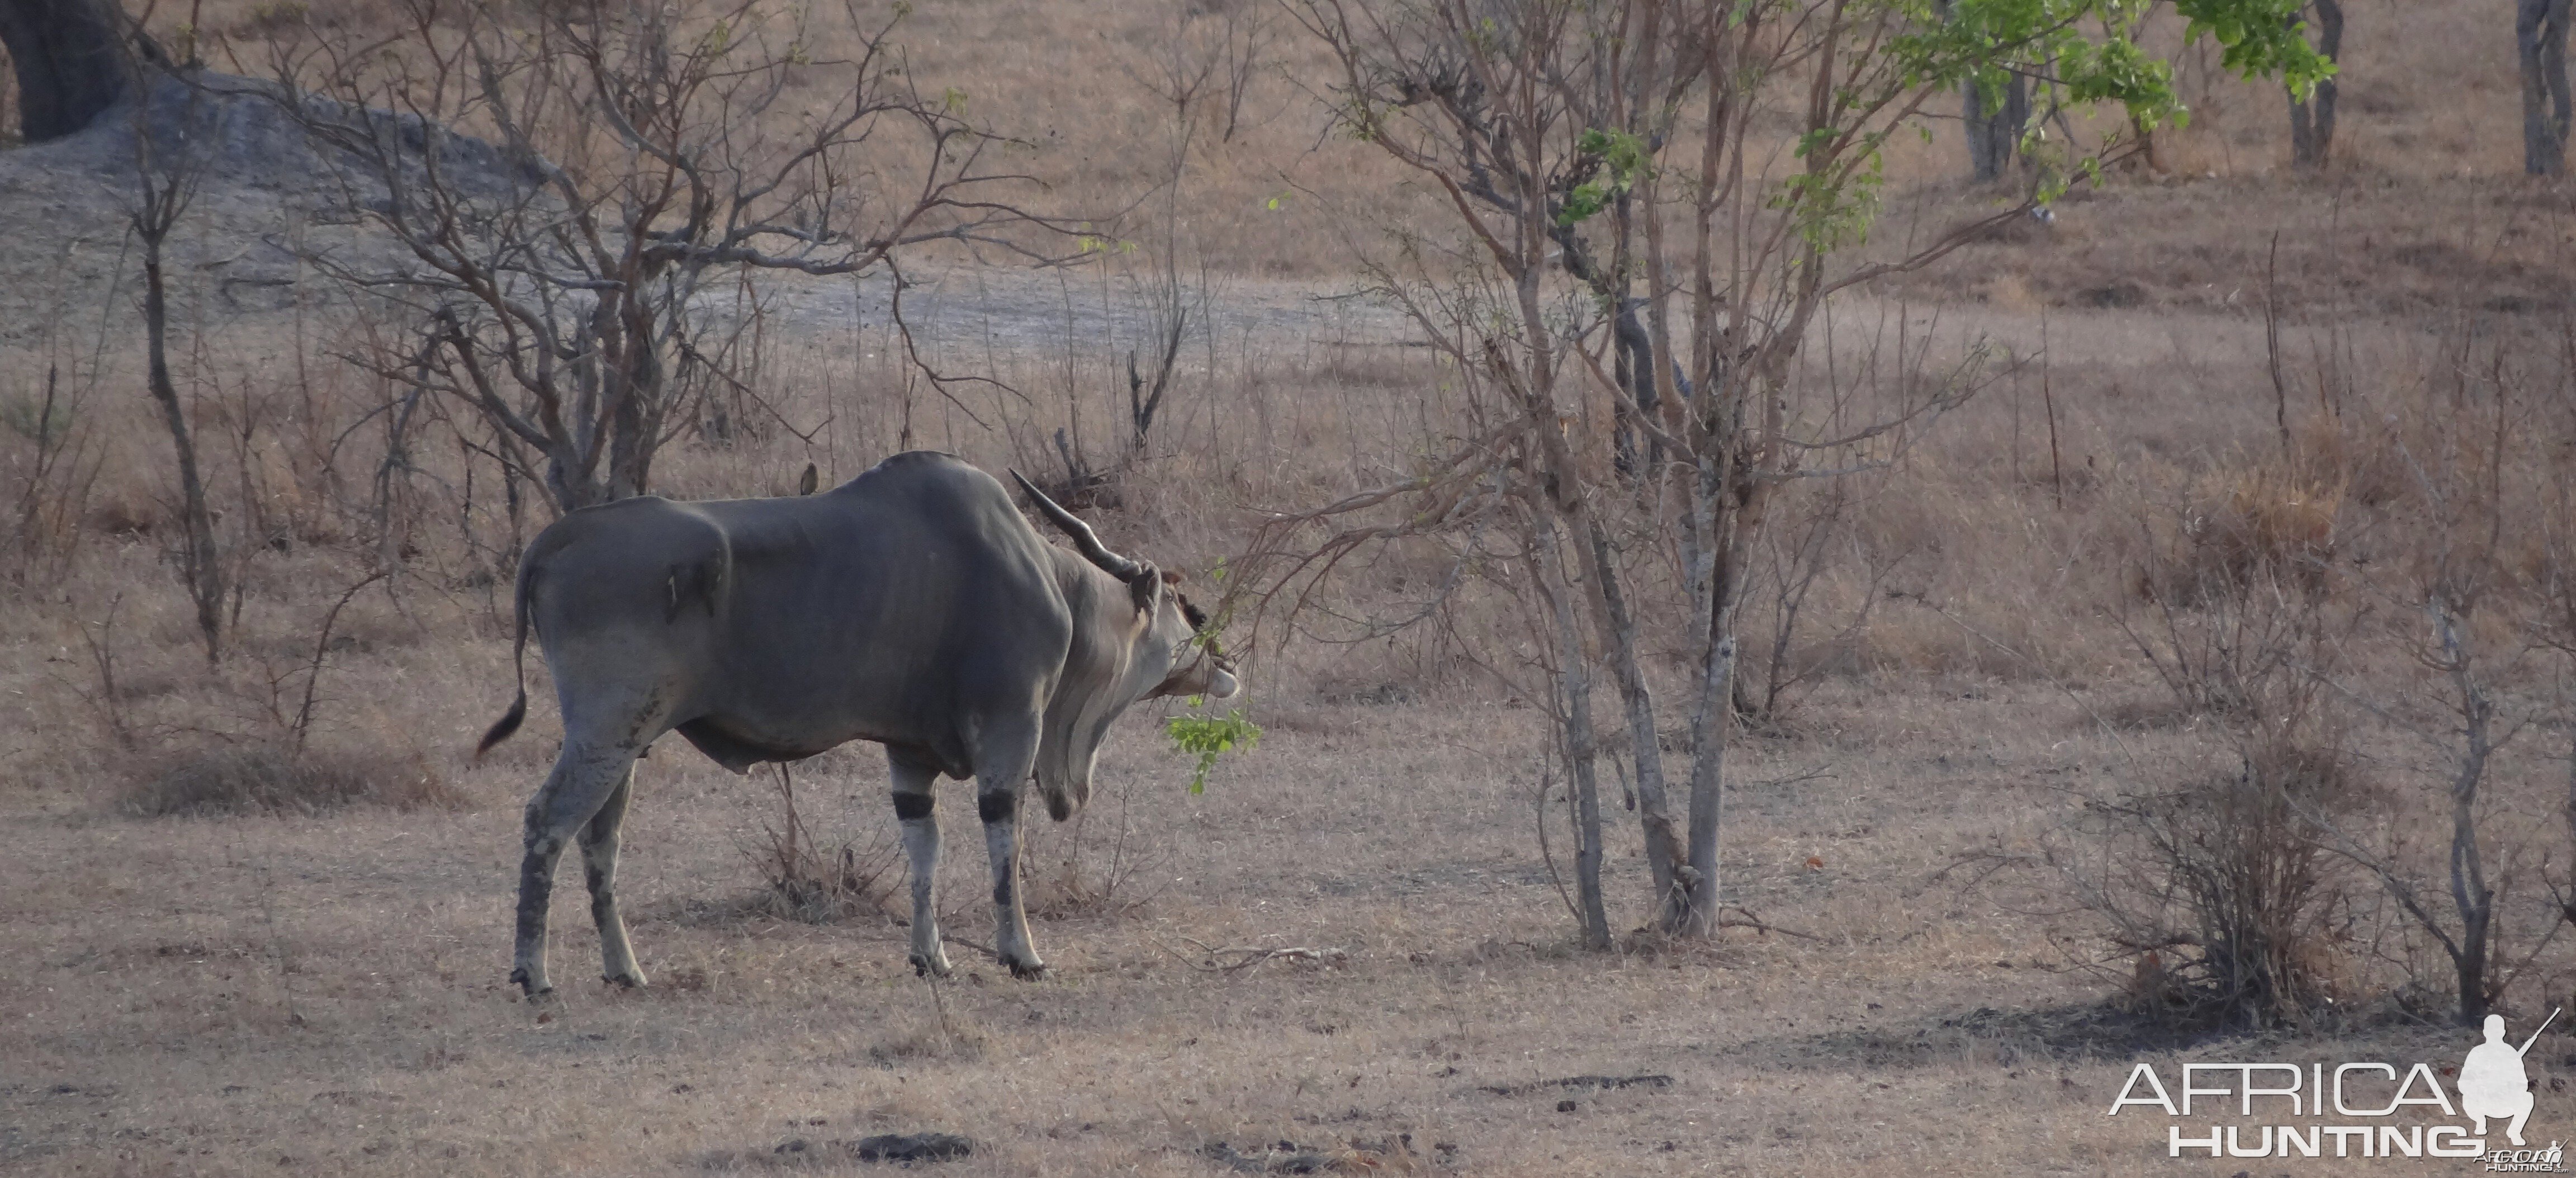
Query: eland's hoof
(929, 967)
(1028, 971)
(632, 979)
(529, 987)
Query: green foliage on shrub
(1210, 737)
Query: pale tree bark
(70, 62)
(2312, 121)
(1994, 123)
(2540, 34)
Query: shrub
(817, 883)
(2226, 882)
(2239, 525)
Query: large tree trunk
(1995, 135)
(70, 62)
(2312, 123)
(2540, 32)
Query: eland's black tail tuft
(508, 724)
(506, 727)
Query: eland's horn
(1083, 538)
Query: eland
(912, 606)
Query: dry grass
(291, 983)
(268, 780)
(329, 992)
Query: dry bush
(2220, 882)
(818, 883)
(2216, 887)
(1818, 582)
(2225, 883)
(262, 779)
(1112, 872)
(2238, 525)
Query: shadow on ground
(2075, 1033)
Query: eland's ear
(1146, 586)
(1171, 577)
(811, 479)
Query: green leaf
(1209, 737)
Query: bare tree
(2540, 36)
(1532, 120)
(1208, 54)
(1244, 40)
(1180, 70)
(2462, 570)
(2468, 927)
(1554, 583)
(2312, 115)
(587, 279)
(166, 176)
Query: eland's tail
(508, 724)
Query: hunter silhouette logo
(2492, 1082)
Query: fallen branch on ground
(1755, 922)
(1604, 1083)
(1244, 958)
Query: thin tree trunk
(2540, 33)
(2470, 893)
(1691, 909)
(70, 63)
(198, 560)
(1734, 529)
(1618, 629)
(1582, 756)
(2312, 123)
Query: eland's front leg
(918, 811)
(1008, 757)
(1000, 810)
(582, 782)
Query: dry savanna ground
(254, 917)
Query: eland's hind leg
(599, 863)
(583, 780)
